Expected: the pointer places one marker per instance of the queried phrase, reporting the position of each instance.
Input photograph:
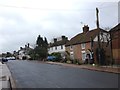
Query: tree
(40, 52)
(46, 42)
(39, 41)
(9, 54)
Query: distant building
(58, 45)
(86, 43)
(0, 56)
(23, 53)
(115, 37)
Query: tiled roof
(115, 32)
(58, 43)
(83, 37)
(116, 28)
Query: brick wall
(116, 46)
(77, 50)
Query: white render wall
(105, 36)
(52, 49)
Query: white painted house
(24, 52)
(58, 45)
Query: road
(30, 74)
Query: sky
(21, 21)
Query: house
(23, 53)
(86, 43)
(0, 56)
(58, 45)
(115, 43)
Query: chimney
(21, 48)
(55, 40)
(85, 29)
(28, 45)
(63, 37)
(25, 46)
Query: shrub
(69, 62)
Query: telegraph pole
(97, 23)
(98, 28)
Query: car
(51, 58)
(4, 59)
(10, 58)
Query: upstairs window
(56, 48)
(71, 47)
(83, 45)
(61, 46)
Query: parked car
(51, 58)
(10, 58)
(4, 59)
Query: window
(61, 46)
(71, 55)
(55, 47)
(48, 49)
(83, 55)
(71, 47)
(83, 45)
(51, 48)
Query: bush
(24, 58)
(69, 62)
(80, 62)
(77, 61)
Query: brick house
(87, 43)
(58, 45)
(115, 43)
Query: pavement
(6, 80)
(109, 69)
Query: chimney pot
(85, 28)
(55, 40)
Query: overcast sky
(21, 21)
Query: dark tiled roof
(115, 32)
(116, 28)
(83, 37)
(58, 43)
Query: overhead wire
(48, 9)
(44, 9)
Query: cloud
(22, 21)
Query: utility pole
(97, 23)
(112, 61)
(98, 28)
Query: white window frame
(72, 55)
(83, 45)
(61, 46)
(83, 55)
(55, 47)
(51, 48)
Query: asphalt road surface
(29, 74)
